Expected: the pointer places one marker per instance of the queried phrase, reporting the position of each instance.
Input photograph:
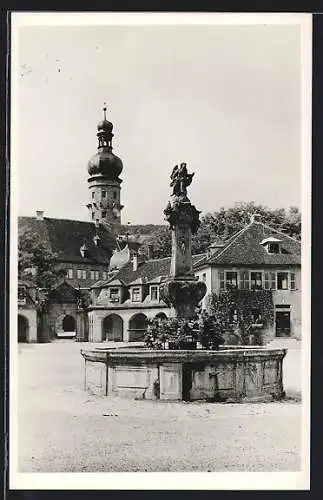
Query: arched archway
(161, 316)
(68, 324)
(137, 327)
(23, 328)
(112, 328)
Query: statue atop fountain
(182, 291)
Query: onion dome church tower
(104, 181)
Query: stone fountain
(234, 374)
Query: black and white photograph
(160, 175)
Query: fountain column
(182, 291)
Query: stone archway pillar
(95, 326)
(125, 334)
(81, 326)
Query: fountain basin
(231, 375)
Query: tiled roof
(149, 270)
(244, 248)
(65, 237)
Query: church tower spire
(104, 182)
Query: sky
(224, 99)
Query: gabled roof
(244, 248)
(116, 282)
(108, 283)
(148, 270)
(65, 237)
(139, 281)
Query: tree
(37, 262)
(224, 223)
(160, 243)
(237, 308)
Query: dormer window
(135, 294)
(114, 294)
(272, 245)
(154, 292)
(84, 251)
(273, 248)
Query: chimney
(39, 215)
(135, 262)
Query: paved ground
(63, 429)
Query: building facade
(83, 249)
(259, 258)
(256, 259)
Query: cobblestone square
(64, 429)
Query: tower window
(104, 194)
(104, 214)
(114, 195)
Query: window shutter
(292, 281)
(244, 283)
(273, 281)
(247, 280)
(221, 280)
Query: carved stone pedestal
(182, 291)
